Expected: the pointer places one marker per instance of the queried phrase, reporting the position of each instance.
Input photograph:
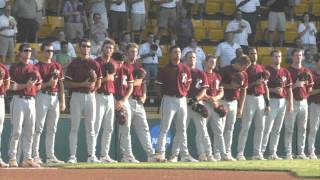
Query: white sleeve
(248, 27)
(301, 28)
(159, 52)
(313, 27)
(142, 50)
(218, 50)
(71, 50)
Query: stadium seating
(212, 8)
(228, 8)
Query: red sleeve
(205, 83)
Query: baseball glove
(139, 73)
(92, 76)
(303, 76)
(32, 76)
(238, 78)
(109, 68)
(121, 116)
(220, 110)
(263, 75)
(55, 74)
(198, 108)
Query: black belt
(25, 97)
(175, 95)
(104, 93)
(50, 93)
(227, 99)
(135, 97)
(248, 13)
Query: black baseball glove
(263, 75)
(121, 116)
(303, 76)
(92, 76)
(220, 110)
(55, 74)
(109, 68)
(32, 76)
(199, 108)
(139, 73)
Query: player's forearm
(128, 92)
(243, 94)
(98, 84)
(315, 92)
(201, 95)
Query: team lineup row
(113, 88)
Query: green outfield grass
(300, 168)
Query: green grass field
(301, 168)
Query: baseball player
(83, 78)
(314, 109)
(105, 100)
(302, 83)
(255, 106)
(4, 86)
(137, 99)
(124, 87)
(47, 103)
(279, 84)
(234, 96)
(212, 100)
(175, 80)
(26, 81)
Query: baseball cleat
(203, 157)
(54, 160)
(210, 158)
(93, 159)
(152, 158)
(258, 157)
(37, 160)
(160, 158)
(240, 157)
(173, 159)
(107, 159)
(3, 164)
(313, 156)
(30, 163)
(13, 163)
(72, 160)
(289, 157)
(274, 157)
(302, 156)
(228, 158)
(129, 159)
(188, 158)
(217, 156)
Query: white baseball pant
(104, 120)
(23, 122)
(273, 125)
(140, 125)
(47, 110)
(173, 107)
(125, 135)
(299, 115)
(254, 110)
(82, 103)
(2, 116)
(313, 126)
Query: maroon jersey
(226, 77)
(279, 78)
(300, 93)
(21, 73)
(108, 86)
(214, 82)
(253, 75)
(316, 78)
(175, 79)
(5, 76)
(122, 79)
(138, 91)
(199, 82)
(78, 70)
(46, 71)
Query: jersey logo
(184, 78)
(198, 84)
(124, 80)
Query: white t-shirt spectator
(4, 22)
(118, 8)
(171, 4)
(201, 56)
(310, 36)
(240, 38)
(57, 47)
(145, 49)
(226, 52)
(249, 7)
(138, 8)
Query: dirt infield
(139, 174)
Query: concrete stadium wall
(62, 141)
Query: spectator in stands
(118, 18)
(40, 10)
(308, 59)
(226, 50)
(125, 39)
(75, 20)
(193, 46)
(63, 57)
(53, 8)
(167, 17)
(307, 32)
(138, 19)
(241, 29)
(291, 5)
(184, 29)
(57, 45)
(99, 6)
(34, 57)
(277, 19)
(97, 34)
(191, 3)
(150, 53)
(2, 6)
(250, 10)
(28, 26)
(8, 30)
